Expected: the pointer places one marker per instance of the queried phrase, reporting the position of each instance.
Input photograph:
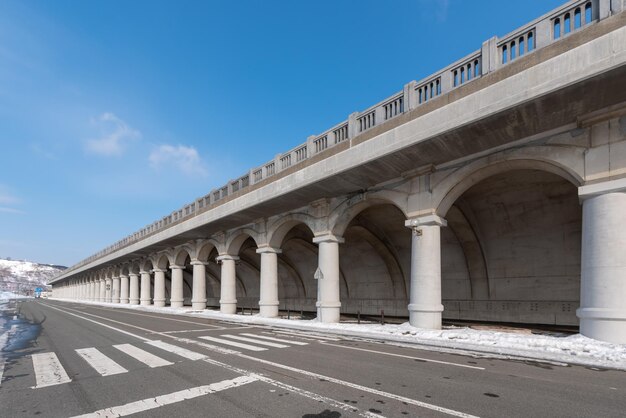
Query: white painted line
(313, 336)
(280, 340)
(363, 388)
(101, 324)
(170, 398)
(48, 370)
(254, 340)
(164, 317)
(234, 344)
(146, 358)
(101, 363)
(188, 330)
(298, 391)
(1, 370)
(183, 352)
(301, 392)
(403, 356)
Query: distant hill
(18, 274)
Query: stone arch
(204, 249)
(510, 252)
(236, 239)
(375, 258)
(180, 254)
(278, 229)
(341, 216)
(161, 261)
(146, 264)
(453, 186)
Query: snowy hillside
(15, 273)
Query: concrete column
(107, 290)
(115, 293)
(102, 293)
(425, 306)
(228, 289)
(177, 299)
(268, 301)
(123, 288)
(145, 288)
(328, 295)
(198, 297)
(133, 291)
(159, 288)
(602, 309)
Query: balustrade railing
(496, 52)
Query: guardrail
(494, 54)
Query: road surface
(67, 359)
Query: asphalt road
(70, 359)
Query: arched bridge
(492, 190)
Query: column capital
(123, 275)
(198, 263)
(144, 272)
(159, 271)
(175, 267)
(328, 238)
(426, 220)
(605, 187)
(133, 274)
(268, 250)
(226, 257)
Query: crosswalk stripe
(183, 352)
(101, 363)
(143, 356)
(254, 340)
(280, 340)
(234, 344)
(314, 336)
(170, 398)
(48, 370)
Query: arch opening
(511, 251)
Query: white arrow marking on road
(159, 401)
(48, 370)
(143, 356)
(101, 363)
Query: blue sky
(115, 113)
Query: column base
(603, 324)
(159, 303)
(268, 309)
(229, 307)
(115, 300)
(198, 304)
(176, 303)
(124, 301)
(134, 301)
(328, 313)
(428, 317)
(146, 302)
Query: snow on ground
(573, 349)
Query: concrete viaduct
(492, 190)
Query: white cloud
(183, 158)
(7, 200)
(6, 197)
(115, 136)
(11, 210)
